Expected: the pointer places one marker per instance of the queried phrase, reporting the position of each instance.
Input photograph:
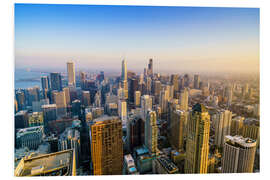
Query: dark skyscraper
(45, 83)
(56, 81)
(150, 67)
(196, 81)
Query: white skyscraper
(222, 120)
(122, 111)
(71, 73)
(124, 78)
(146, 104)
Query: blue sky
(98, 37)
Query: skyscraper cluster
(136, 123)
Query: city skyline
(99, 37)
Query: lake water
(25, 79)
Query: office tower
(21, 119)
(135, 132)
(148, 85)
(174, 82)
(71, 74)
(36, 105)
(170, 90)
(107, 146)
(163, 100)
(151, 132)
(20, 97)
(100, 76)
(45, 83)
(60, 101)
(133, 87)
(82, 79)
(124, 79)
(196, 81)
(73, 94)
(120, 93)
(49, 113)
(86, 98)
(156, 90)
(150, 68)
(182, 83)
(245, 90)
(57, 164)
(197, 147)
(184, 99)
(237, 125)
(129, 165)
(32, 95)
(56, 81)
(30, 137)
(35, 119)
(251, 129)
(76, 108)
(146, 104)
(137, 98)
(186, 80)
(163, 165)
(238, 155)
(178, 122)
(122, 110)
(67, 95)
(71, 139)
(111, 109)
(222, 119)
(15, 106)
(97, 102)
(229, 95)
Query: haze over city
(189, 39)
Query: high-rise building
(150, 68)
(151, 132)
(133, 87)
(21, 119)
(56, 81)
(137, 98)
(20, 96)
(184, 99)
(32, 95)
(197, 145)
(135, 133)
(238, 154)
(175, 83)
(163, 165)
(86, 101)
(129, 165)
(107, 146)
(60, 101)
(163, 100)
(146, 104)
(124, 79)
(45, 83)
(122, 110)
(178, 122)
(237, 125)
(67, 95)
(71, 74)
(35, 119)
(223, 119)
(196, 81)
(229, 95)
(49, 113)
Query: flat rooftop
(46, 163)
(240, 141)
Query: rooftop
(240, 141)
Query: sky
(179, 39)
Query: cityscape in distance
(133, 90)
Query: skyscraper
(197, 147)
(150, 67)
(137, 98)
(122, 110)
(184, 99)
(178, 121)
(124, 79)
(107, 146)
(45, 83)
(71, 74)
(146, 104)
(223, 121)
(56, 81)
(151, 131)
(196, 81)
(60, 101)
(238, 155)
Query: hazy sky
(99, 37)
